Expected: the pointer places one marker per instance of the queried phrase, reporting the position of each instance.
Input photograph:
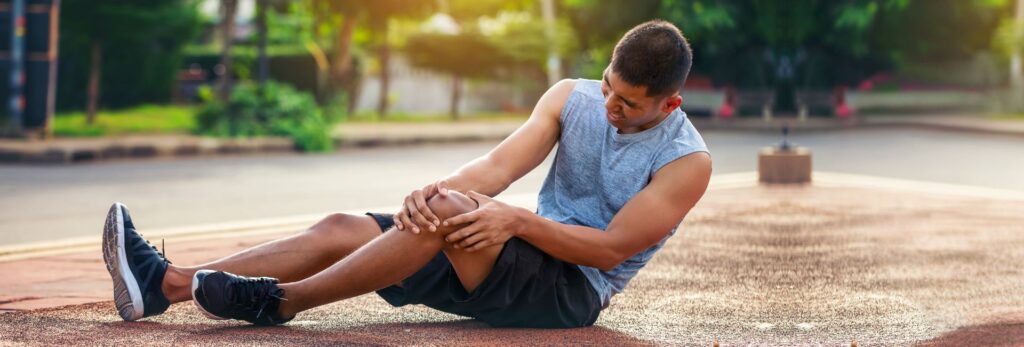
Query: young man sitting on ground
(628, 168)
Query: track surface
(750, 266)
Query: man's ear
(671, 103)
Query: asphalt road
(45, 203)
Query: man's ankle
(287, 308)
(176, 284)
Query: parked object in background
(189, 82)
(823, 103)
(756, 102)
(784, 163)
(814, 102)
(843, 110)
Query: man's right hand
(415, 215)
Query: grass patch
(176, 119)
(148, 119)
(404, 117)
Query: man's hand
(492, 223)
(415, 214)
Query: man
(629, 166)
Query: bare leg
(389, 259)
(289, 259)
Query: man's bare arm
(492, 173)
(521, 152)
(641, 223)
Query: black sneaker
(136, 267)
(223, 295)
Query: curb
(909, 124)
(74, 151)
(862, 123)
(408, 141)
(87, 150)
(774, 126)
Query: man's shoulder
(588, 87)
(683, 136)
(569, 87)
(557, 99)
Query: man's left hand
(492, 223)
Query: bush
(271, 109)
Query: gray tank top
(597, 170)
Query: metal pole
(51, 86)
(16, 103)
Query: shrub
(270, 109)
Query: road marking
(528, 200)
(836, 179)
(210, 231)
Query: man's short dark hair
(653, 54)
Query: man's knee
(446, 207)
(333, 225)
(453, 205)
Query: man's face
(629, 108)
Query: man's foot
(136, 267)
(223, 295)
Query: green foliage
(146, 119)
(509, 42)
(270, 109)
(467, 54)
(742, 42)
(937, 30)
(141, 43)
(336, 109)
(520, 35)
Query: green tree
(343, 18)
(464, 55)
(134, 46)
(491, 39)
(379, 14)
(760, 44)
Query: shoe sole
(195, 290)
(127, 295)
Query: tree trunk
(261, 24)
(354, 91)
(95, 71)
(456, 95)
(385, 57)
(228, 9)
(343, 49)
(321, 75)
(342, 72)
